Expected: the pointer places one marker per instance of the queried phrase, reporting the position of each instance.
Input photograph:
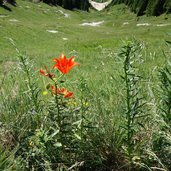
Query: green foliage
(162, 140)
(8, 161)
(141, 7)
(165, 76)
(70, 4)
(106, 126)
(46, 133)
(49, 132)
(155, 7)
(134, 103)
(167, 6)
(150, 7)
(101, 1)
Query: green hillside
(148, 7)
(28, 26)
(106, 110)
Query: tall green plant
(162, 137)
(165, 87)
(134, 99)
(165, 77)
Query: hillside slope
(148, 7)
(42, 30)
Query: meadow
(119, 118)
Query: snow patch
(158, 25)
(13, 20)
(125, 23)
(93, 24)
(3, 16)
(143, 24)
(162, 25)
(65, 14)
(64, 38)
(99, 6)
(52, 31)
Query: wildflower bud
(48, 86)
(62, 81)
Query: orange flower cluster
(64, 65)
(62, 91)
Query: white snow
(161, 25)
(125, 23)
(13, 20)
(52, 31)
(158, 25)
(64, 38)
(93, 24)
(65, 14)
(99, 6)
(143, 24)
(3, 16)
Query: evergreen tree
(142, 7)
(150, 7)
(1, 2)
(70, 4)
(134, 5)
(167, 6)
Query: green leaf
(56, 132)
(58, 144)
(169, 42)
(78, 122)
(77, 136)
(169, 33)
(48, 86)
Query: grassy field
(28, 23)
(103, 82)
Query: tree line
(148, 7)
(67, 4)
(70, 4)
(140, 7)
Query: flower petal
(63, 64)
(42, 72)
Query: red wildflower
(62, 91)
(54, 90)
(46, 73)
(66, 93)
(63, 64)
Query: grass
(33, 20)
(31, 36)
(104, 124)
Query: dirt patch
(8, 65)
(3, 15)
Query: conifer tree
(150, 7)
